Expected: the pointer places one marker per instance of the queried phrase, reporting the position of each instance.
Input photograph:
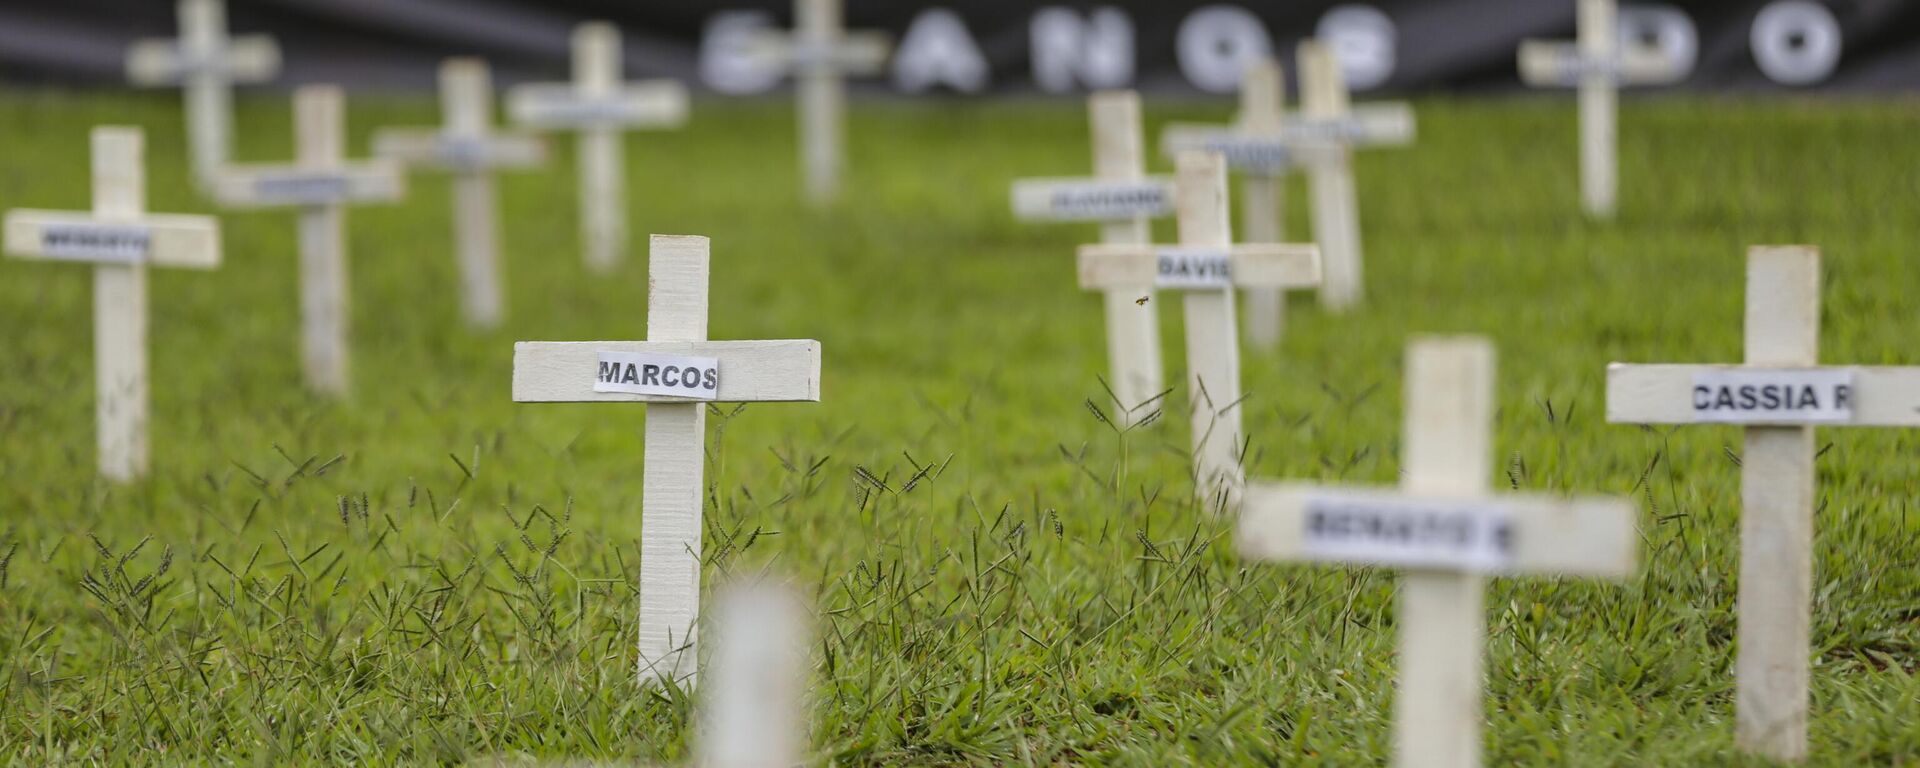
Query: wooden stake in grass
(600, 108)
(321, 185)
(467, 147)
(1449, 532)
(121, 240)
(821, 53)
(754, 710)
(1598, 65)
(1208, 266)
(1779, 395)
(206, 63)
(1265, 142)
(679, 372)
(1123, 200)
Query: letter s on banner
(1069, 50)
(1216, 43)
(727, 63)
(1796, 42)
(1363, 40)
(938, 49)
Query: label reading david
(118, 243)
(1109, 200)
(1193, 269)
(1773, 397)
(696, 378)
(1408, 533)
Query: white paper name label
(1193, 269)
(295, 187)
(1409, 533)
(696, 378)
(1250, 154)
(1773, 397)
(118, 243)
(1108, 200)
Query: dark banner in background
(998, 46)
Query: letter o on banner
(727, 61)
(1363, 40)
(1216, 43)
(1665, 28)
(1796, 42)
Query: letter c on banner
(1664, 28)
(1216, 43)
(1363, 40)
(1796, 42)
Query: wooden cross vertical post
(1449, 532)
(679, 372)
(1598, 65)
(1209, 267)
(471, 150)
(821, 53)
(1336, 216)
(1779, 395)
(600, 107)
(1122, 200)
(121, 240)
(321, 184)
(1263, 100)
(754, 714)
(206, 63)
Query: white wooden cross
(1320, 137)
(467, 147)
(1598, 65)
(121, 240)
(1779, 395)
(1208, 266)
(1123, 200)
(679, 372)
(600, 107)
(1449, 533)
(206, 63)
(820, 53)
(321, 184)
(753, 713)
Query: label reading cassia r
(1410, 533)
(1193, 268)
(1773, 397)
(695, 378)
(114, 243)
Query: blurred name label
(1193, 269)
(1773, 397)
(112, 243)
(1092, 200)
(1251, 154)
(1407, 532)
(696, 378)
(298, 187)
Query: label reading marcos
(1810, 396)
(112, 243)
(1413, 533)
(694, 378)
(1193, 268)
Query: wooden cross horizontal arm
(1551, 63)
(244, 59)
(1255, 265)
(1093, 199)
(1583, 536)
(263, 186)
(431, 147)
(1882, 396)
(750, 371)
(159, 239)
(562, 105)
(1370, 124)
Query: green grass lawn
(429, 573)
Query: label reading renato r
(117, 243)
(696, 378)
(1193, 269)
(1773, 397)
(1409, 533)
